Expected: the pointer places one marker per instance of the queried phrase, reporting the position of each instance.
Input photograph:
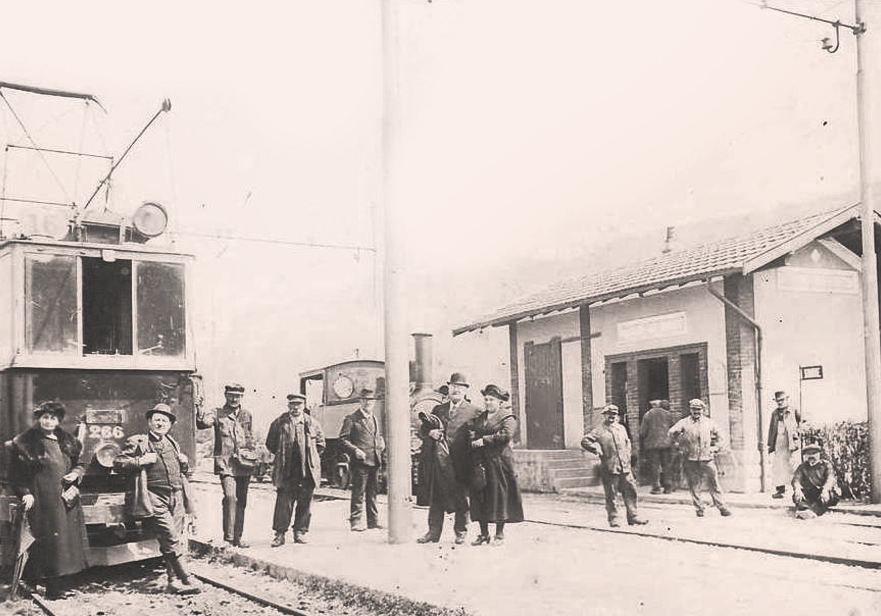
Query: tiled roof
(670, 269)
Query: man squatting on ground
(610, 442)
(814, 486)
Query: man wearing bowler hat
(235, 455)
(453, 415)
(361, 436)
(610, 442)
(297, 441)
(165, 466)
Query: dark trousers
(624, 483)
(293, 492)
(695, 472)
(235, 499)
(167, 522)
(660, 464)
(364, 484)
(813, 501)
(436, 513)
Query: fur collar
(30, 445)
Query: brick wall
(740, 350)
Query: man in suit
(453, 415)
(234, 458)
(296, 440)
(361, 437)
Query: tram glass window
(161, 325)
(51, 304)
(107, 307)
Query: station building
(728, 322)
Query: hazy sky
(529, 131)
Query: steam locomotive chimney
(424, 361)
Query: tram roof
(131, 248)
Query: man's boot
(189, 586)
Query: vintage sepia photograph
(440, 308)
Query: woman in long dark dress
(499, 499)
(45, 463)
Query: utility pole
(868, 18)
(867, 31)
(397, 366)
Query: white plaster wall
(573, 416)
(705, 322)
(808, 328)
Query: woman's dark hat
(50, 407)
(164, 409)
(457, 378)
(496, 392)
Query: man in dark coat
(453, 415)
(166, 467)
(361, 437)
(297, 441)
(658, 446)
(235, 456)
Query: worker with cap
(296, 440)
(610, 442)
(361, 437)
(699, 440)
(235, 456)
(453, 415)
(814, 484)
(159, 455)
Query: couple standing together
(466, 464)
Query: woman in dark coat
(499, 499)
(45, 463)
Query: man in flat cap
(235, 456)
(297, 441)
(452, 415)
(699, 440)
(166, 467)
(361, 436)
(814, 485)
(610, 442)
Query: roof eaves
(589, 300)
(799, 240)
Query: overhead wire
(266, 240)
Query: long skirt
(500, 500)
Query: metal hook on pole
(827, 46)
(166, 106)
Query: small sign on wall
(811, 373)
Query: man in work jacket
(609, 441)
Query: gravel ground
(138, 589)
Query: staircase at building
(555, 469)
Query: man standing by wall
(297, 441)
(783, 442)
(361, 437)
(234, 458)
(699, 440)
(609, 441)
(658, 446)
(453, 414)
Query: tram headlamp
(106, 454)
(150, 219)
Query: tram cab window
(161, 328)
(107, 307)
(51, 304)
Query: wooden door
(544, 395)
